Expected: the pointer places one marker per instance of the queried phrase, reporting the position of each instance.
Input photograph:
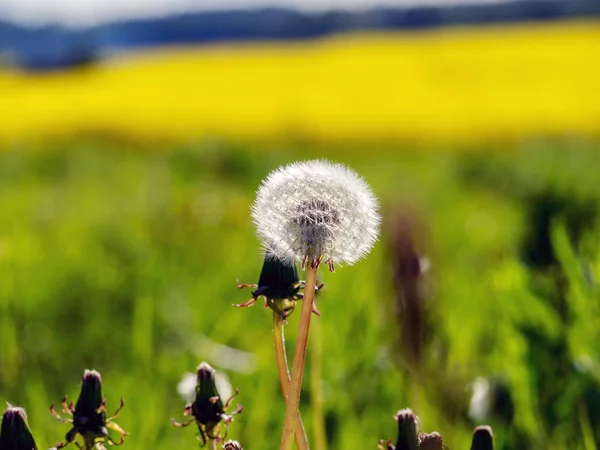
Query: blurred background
(133, 135)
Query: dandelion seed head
(316, 210)
(187, 387)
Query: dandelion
(88, 415)
(15, 433)
(312, 212)
(280, 286)
(316, 211)
(207, 408)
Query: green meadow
(124, 258)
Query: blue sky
(90, 12)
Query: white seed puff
(316, 210)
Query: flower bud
(279, 285)
(431, 441)
(208, 407)
(483, 438)
(15, 433)
(90, 398)
(232, 445)
(408, 430)
(206, 388)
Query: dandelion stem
(293, 399)
(284, 376)
(89, 444)
(316, 368)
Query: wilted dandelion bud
(15, 433)
(90, 398)
(431, 441)
(483, 438)
(232, 445)
(88, 415)
(280, 286)
(316, 211)
(408, 430)
(208, 408)
(188, 383)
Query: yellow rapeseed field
(456, 85)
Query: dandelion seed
(316, 211)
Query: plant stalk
(293, 399)
(316, 369)
(88, 444)
(284, 376)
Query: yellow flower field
(457, 85)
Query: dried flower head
(316, 211)
(232, 445)
(279, 285)
(15, 433)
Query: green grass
(125, 260)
